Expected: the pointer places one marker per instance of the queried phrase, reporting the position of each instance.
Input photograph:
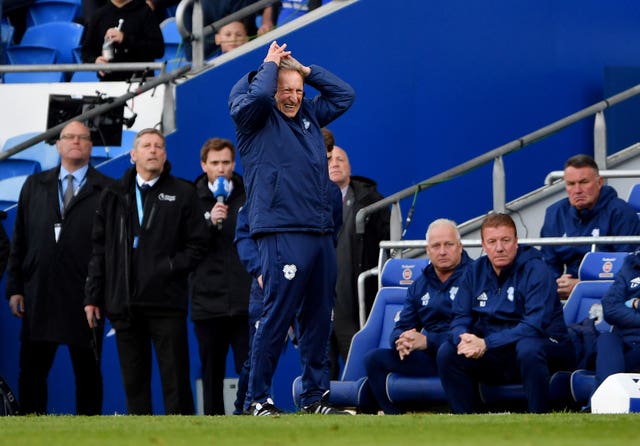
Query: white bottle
(107, 46)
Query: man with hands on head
(290, 202)
(424, 321)
(507, 324)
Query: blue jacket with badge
(284, 160)
(626, 286)
(521, 302)
(610, 216)
(428, 305)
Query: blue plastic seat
(174, 53)
(6, 37)
(600, 265)
(45, 155)
(101, 154)
(82, 76)
(10, 190)
(28, 55)
(62, 36)
(44, 11)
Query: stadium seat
(82, 76)
(101, 154)
(397, 275)
(62, 36)
(12, 168)
(634, 197)
(6, 36)
(10, 190)
(32, 54)
(45, 155)
(173, 46)
(600, 265)
(44, 11)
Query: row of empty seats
(596, 275)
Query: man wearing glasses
(47, 268)
(507, 324)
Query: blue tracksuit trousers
(526, 361)
(382, 361)
(299, 276)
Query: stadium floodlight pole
(100, 109)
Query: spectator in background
(590, 209)
(291, 214)
(618, 351)
(507, 324)
(148, 236)
(220, 284)
(47, 268)
(231, 36)
(138, 40)
(355, 253)
(214, 10)
(423, 324)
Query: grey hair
(443, 222)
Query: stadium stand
(173, 47)
(44, 11)
(10, 190)
(42, 153)
(100, 154)
(30, 55)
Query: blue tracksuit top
(610, 216)
(521, 302)
(626, 286)
(284, 160)
(427, 307)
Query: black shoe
(266, 409)
(323, 407)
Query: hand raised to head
(276, 53)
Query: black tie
(68, 194)
(143, 191)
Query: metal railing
(495, 155)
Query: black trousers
(36, 359)
(168, 335)
(215, 336)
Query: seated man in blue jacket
(619, 351)
(590, 209)
(424, 321)
(507, 324)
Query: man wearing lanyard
(50, 250)
(148, 235)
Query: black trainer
(266, 409)
(323, 407)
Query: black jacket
(142, 42)
(172, 241)
(220, 285)
(51, 275)
(356, 253)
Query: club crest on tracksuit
(633, 283)
(289, 271)
(425, 299)
(510, 292)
